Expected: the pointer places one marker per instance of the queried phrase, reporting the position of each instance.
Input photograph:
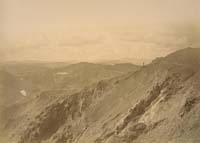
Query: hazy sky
(92, 30)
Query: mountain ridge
(157, 103)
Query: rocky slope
(26, 87)
(160, 103)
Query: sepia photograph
(99, 71)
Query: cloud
(108, 44)
(79, 41)
(166, 38)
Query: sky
(96, 30)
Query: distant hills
(35, 77)
(83, 74)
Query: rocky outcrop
(56, 117)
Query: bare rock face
(159, 103)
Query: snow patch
(62, 73)
(23, 92)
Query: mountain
(28, 85)
(34, 77)
(76, 76)
(187, 57)
(158, 103)
(127, 60)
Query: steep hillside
(9, 88)
(33, 77)
(9, 93)
(32, 85)
(160, 103)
